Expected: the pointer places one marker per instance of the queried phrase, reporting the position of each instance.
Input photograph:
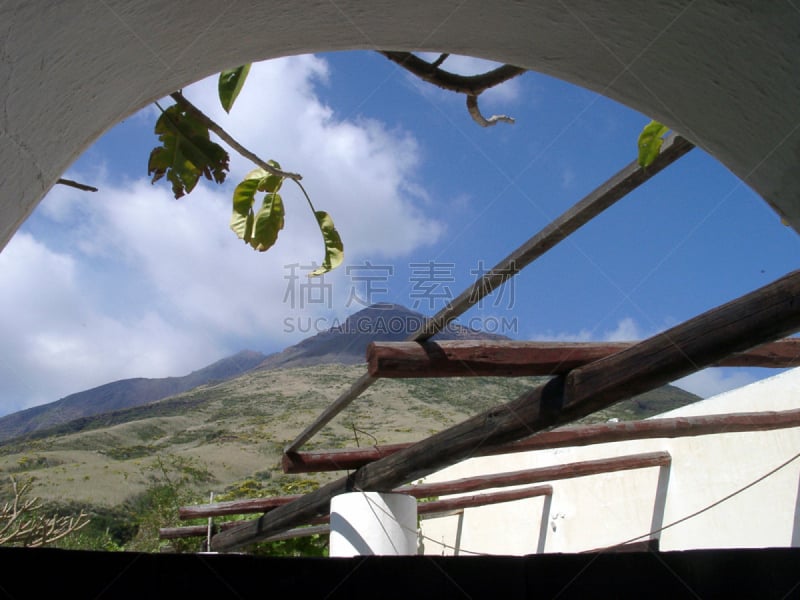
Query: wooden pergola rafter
(347, 459)
(436, 508)
(765, 315)
(603, 197)
(465, 485)
(502, 358)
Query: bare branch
(438, 62)
(229, 139)
(463, 84)
(475, 112)
(75, 184)
(22, 524)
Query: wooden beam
(173, 533)
(235, 507)
(764, 315)
(600, 199)
(510, 358)
(344, 459)
(603, 197)
(441, 488)
(438, 507)
(457, 486)
(424, 510)
(564, 437)
(538, 475)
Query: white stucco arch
(725, 73)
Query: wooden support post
(764, 315)
(521, 359)
(564, 437)
(613, 190)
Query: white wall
(603, 510)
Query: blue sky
(130, 282)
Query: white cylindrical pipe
(372, 523)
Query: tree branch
(75, 184)
(229, 139)
(475, 112)
(21, 522)
(463, 84)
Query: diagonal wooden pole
(613, 190)
(766, 314)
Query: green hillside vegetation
(227, 438)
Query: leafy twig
(230, 140)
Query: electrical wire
(710, 506)
(649, 534)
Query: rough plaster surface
(597, 511)
(725, 73)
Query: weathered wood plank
(600, 199)
(344, 459)
(764, 315)
(436, 507)
(537, 475)
(562, 437)
(444, 488)
(173, 533)
(499, 358)
(235, 507)
(424, 510)
(613, 190)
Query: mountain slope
(236, 429)
(122, 394)
(344, 344)
(347, 343)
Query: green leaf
(230, 84)
(242, 217)
(186, 152)
(334, 249)
(650, 141)
(244, 196)
(242, 225)
(268, 222)
(267, 182)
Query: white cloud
(358, 171)
(626, 330)
(130, 282)
(55, 342)
(710, 382)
